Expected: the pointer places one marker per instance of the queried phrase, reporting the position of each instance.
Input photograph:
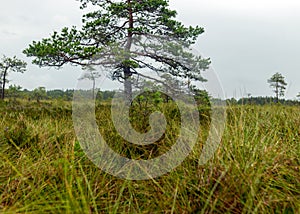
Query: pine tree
(278, 83)
(126, 37)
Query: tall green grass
(44, 170)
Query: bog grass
(44, 170)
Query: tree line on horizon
(14, 93)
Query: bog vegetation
(44, 170)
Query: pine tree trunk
(127, 84)
(1, 89)
(94, 83)
(127, 72)
(3, 84)
(277, 92)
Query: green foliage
(8, 65)
(264, 101)
(109, 34)
(56, 94)
(278, 83)
(201, 97)
(39, 93)
(61, 48)
(142, 106)
(14, 91)
(106, 95)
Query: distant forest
(41, 93)
(261, 101)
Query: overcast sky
(247, 41)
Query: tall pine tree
(129, 37)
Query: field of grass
(256, 169)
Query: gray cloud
(247, 45)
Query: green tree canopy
(14, 91)
(278, 84)
(7, 65)
(114, 37)
(39, 93)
